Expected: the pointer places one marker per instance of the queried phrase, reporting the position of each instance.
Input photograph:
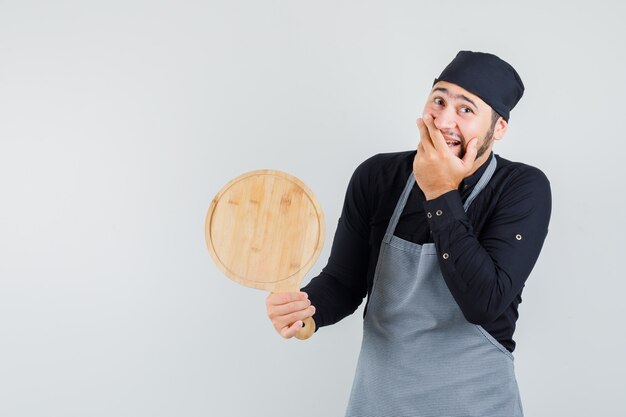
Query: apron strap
(480, 185)
(482, 182)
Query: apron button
(439, 213)
(429, 215)
(518, 237)
(446, 256)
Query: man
(441, 240)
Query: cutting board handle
(308, 329)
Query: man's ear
(500, 129)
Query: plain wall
(121, 120)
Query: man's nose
(445, 119)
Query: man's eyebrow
(461, 96)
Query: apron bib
(420, 357)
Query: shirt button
(439, 213)
(429, 215)
(446, 256)
(518, 237)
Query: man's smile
(452, 140)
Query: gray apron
(420, 357)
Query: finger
(288, 319)
(425, 140)
(285, 298)
(290, 331)
(470, 153)
(284, 309)
(435, 134)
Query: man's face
(461, 116)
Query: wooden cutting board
(265, 229)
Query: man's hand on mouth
(436, 166)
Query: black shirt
(491, 249)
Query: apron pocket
(494, 342)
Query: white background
(120, 120)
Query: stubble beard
(487, 141)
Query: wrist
(432, 194)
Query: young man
(441, 241)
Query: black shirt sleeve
(485, 273)
(341, 286)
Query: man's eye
(466, 110)
(438, 101)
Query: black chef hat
(487, 76)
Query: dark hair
(494, 118)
